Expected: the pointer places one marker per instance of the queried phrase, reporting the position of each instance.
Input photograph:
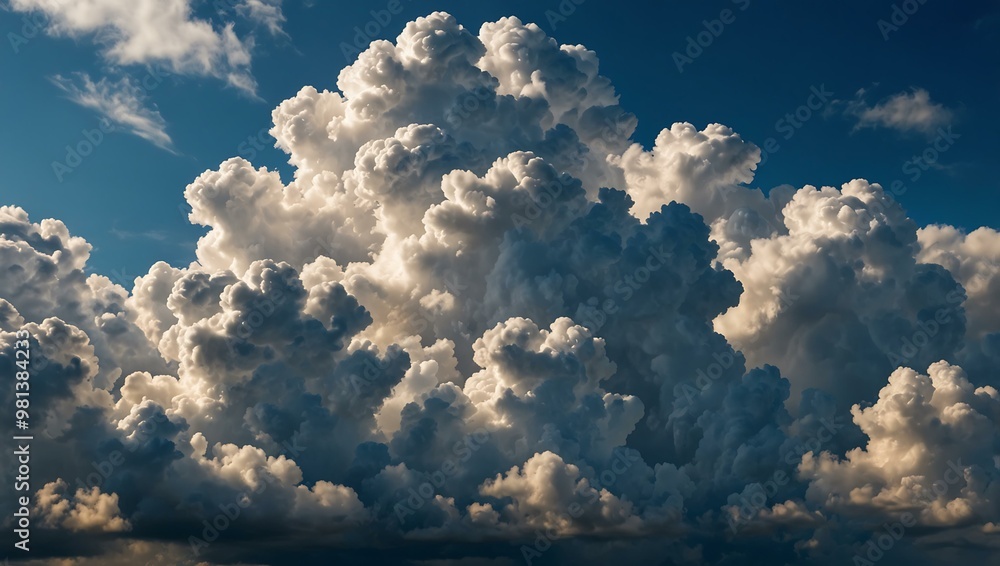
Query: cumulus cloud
(480, 321)
(931, 447)
(86, 510)
(837, 297)
(547, 493)
(974, 259)
(911, 111)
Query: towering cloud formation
(481, 323)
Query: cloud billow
(480, 323)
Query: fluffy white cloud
(974, 260)
(904, 111)
(699, 168)
(44, 277)
(933, 444)
(837, 298)
(86, 510)
(448, 328)
(547, 493)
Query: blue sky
(126, 198)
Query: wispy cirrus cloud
(266, 13)
(121, 102)
(155, 235)
(167, 34)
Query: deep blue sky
(760, 68)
